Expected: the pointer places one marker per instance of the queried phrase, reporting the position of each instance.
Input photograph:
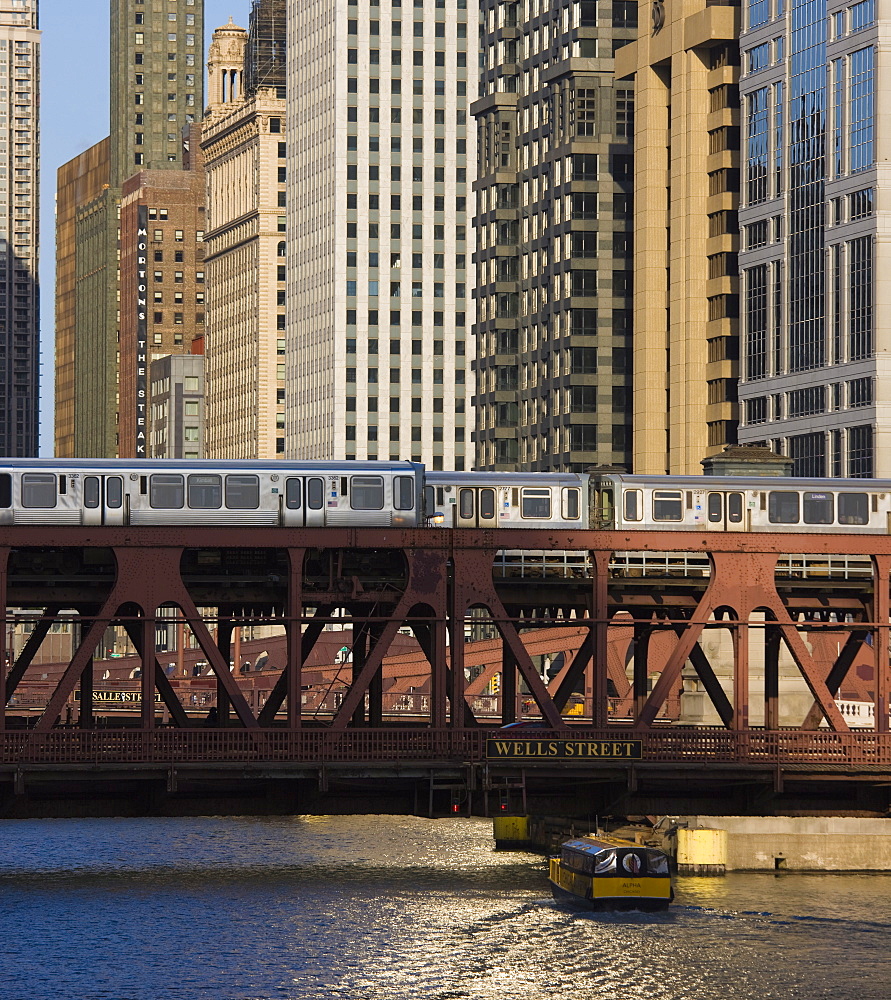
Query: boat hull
(626, 891)
(606, 903)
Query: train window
(571, 505)
(114, 492)
(819, 508)
(715, 507)
(166, 491)
(243, 492)
(429, 501)
(5, 489)
(465, 503)
(782, 508)
(38, 490)
(535, 503)
(206, 492)
(667, 506)
(367, 493)
(734, 507)
(633, 501)
(853, 508)
(487, 504)
(404, 493)
(91, 491)
(315, 494)
(292, 494)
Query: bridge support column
(225, 628)
(643, 632)
(5, 652)
(881, 612)
(85, 718)
(772, 642)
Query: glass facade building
(814, 384)
(554, 247)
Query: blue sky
(73, 116)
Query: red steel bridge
(818, 602)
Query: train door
(103, 498)
(726, 512)
(477, 507)
(304, 501)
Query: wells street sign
(514, 749)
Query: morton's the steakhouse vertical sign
(141, 331)
(513, 749)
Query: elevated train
(404, 494)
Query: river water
(371, 907)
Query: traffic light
(504, 801)
(456, 802)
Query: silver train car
(757, 503)
(507, 499)
(138, 492)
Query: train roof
(752, 482)
(503, 478)
(154, 464)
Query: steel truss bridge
(822, 600)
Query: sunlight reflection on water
(398, 907)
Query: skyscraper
(156, 89)
(380, 166)
(816, 309)
(685, 68)
(19, 200)
(553, 228)
(244, 142)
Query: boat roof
(596, 845)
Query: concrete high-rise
(243, 137)
(816, 254)
(19, 233)
(553, 228)
(685, 68)
(156, 90)
(380, 164)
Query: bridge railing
(219, 747)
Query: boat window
(657, 863)
(114, 492)
(292, 493)
(605, 862)
(853, 508)
(404, 493)
(315, 494)
(535, 503)
(487, 504)
(166, 491)
(91, 491)
(715, 507)
(667, 506)
(367, 493)
(819, 508)
(465, 503)
(734, 507)
(633, 500)
(571, 505)
(206, 492)
(782, 508)
(5, 489)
